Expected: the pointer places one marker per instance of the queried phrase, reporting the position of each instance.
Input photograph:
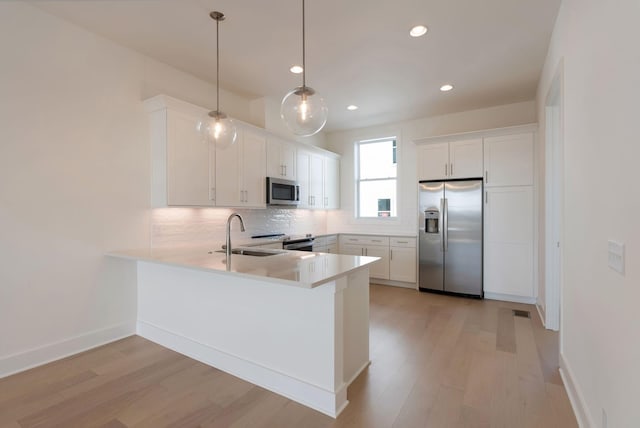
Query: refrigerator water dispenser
(431, 220)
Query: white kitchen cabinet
(508, 241)
(402, 259)
(508, 160)
(374, 246)
(181, 161)
(318, 177)
(241, 170)
(433, 161)
(326, 244)
(465, 158)
(454, 159)
(281, 158)
(331, 178)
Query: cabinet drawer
(403, 242)
(364, 240)
(320, 241)
(331, 239)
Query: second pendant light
(303, 110)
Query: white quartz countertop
(298, 268)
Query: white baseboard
(541, 314)
(575, 395)
(510, 298)
(328, 402)
(25, 360)
(411, 285)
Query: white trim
(492, 132)
(510, 298)
(325, 401)
(541, 314)
(391, 283)
(357, 373)
(35, 357)
(576, 397)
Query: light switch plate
(616, 256)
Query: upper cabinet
(454, 159)
(508, 160)
(281, 158)
(240, 171)
(318, 177)
(187, 171)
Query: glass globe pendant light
(216, 127)
(303, 110)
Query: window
(376, 177)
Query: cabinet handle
(212, 194)
(451, 169)
(486, 176)
(445, 169)
(285, 170)
(390, 254)
(402, 242)
(246, 196)
(486, 197)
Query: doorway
(554, 202)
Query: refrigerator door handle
(442, 226)
(445, 226)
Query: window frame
(358, 180)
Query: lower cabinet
(397, 254)
(402, 262)
(326, 244)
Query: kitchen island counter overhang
(295, 323)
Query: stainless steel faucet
(228, 246)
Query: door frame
(554, 200)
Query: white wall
(74, 181)
(598, 43)
(342, 142)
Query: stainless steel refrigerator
(450, 234)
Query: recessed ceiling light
(295, 69)
(418, 30)
(446, 88)
(352, 107)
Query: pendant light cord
(217, 66)
(304, 65)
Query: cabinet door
(288, 158)
(508, 160)
(402, 264)
(188, 162)
(380, 269)
(253, 169)
(465, 158)
(303, 161)
(281, 159)
(316, 181)
(228, 174)
(433, 161)
(332, 248)
(352, 250)
(508, 241)
(331, 183)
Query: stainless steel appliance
(299, 243)
(450, 234)
(282, 192)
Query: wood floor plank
(437, 361)
(506, 334)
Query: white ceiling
(358, 51)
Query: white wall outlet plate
(616, 256)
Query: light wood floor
(437, 361)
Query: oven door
(299, 246)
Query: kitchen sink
(255, 253)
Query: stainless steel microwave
(282, 192)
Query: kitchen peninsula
(293, 322)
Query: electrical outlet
(604, 418)
(616, 256)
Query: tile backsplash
(205, 227)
